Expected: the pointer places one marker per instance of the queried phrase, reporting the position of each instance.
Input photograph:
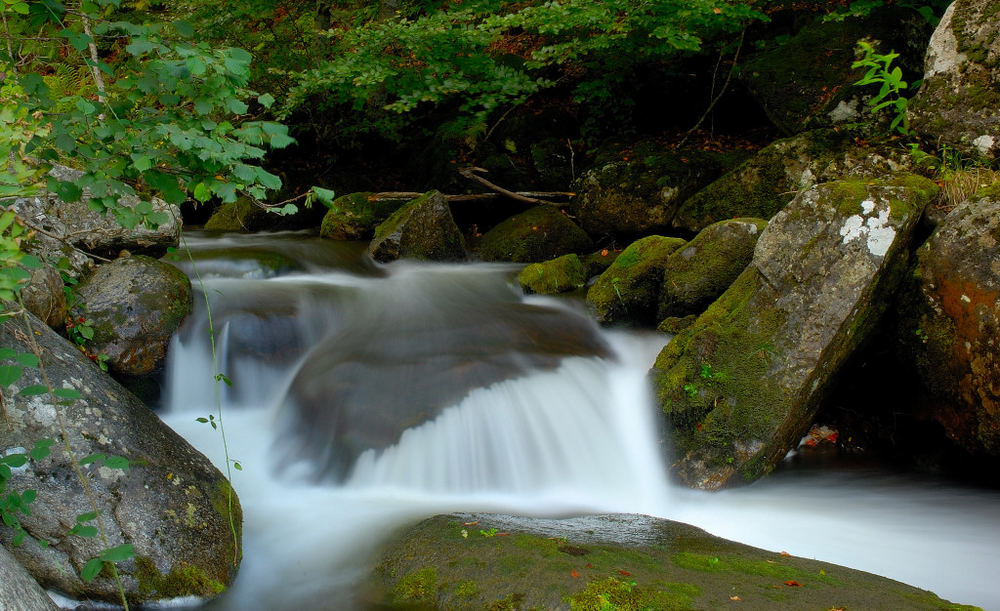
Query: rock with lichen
(422, 229)
(170, 504)
(764, 183)
(627, 292)
(958, 104)
(694, 276)
(741, 385)
(950, 327)
(537, 234)
(133, 305)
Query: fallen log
(531, 197)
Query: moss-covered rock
(950, 327)
(565, 273)
(628, 290)
(742, 385)
(807, 81)
(355, 216)
(694, 276)
(422, 229)
(239, 216)
(763, 184)
(639, 195)
(619, 561)
(537, 234)
(134, 305)
(959, 101)
(597, 262)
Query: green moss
(620, 595)
(225, 503)
(559, 275)
(241, 215)
(991, 191)
(736, 564)
(182, 580)
(466, 589)
(537, 234)
(629, 289)
(419, 585)
(354, 216)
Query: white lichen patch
(846, 110)
(984, 144)
(873, 228)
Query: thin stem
(715, 100)
(217, 377)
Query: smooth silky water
(534, 410)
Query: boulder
(637, 191)
(18, 591)
(355, 216)
(98, 232)
(958, 104)
(537, 234)
(950, 327)
(134, 305)
(628, 290)
(612, 561)
(807, 82)
(171, 504)
(239, 216)
(560, 275)
(763, 184)
(597, 262)
(422, 229)
(694, 276)
(741, 385)
(45, 296)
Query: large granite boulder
(742, 384)
(950, 327)
(134, 305)
(422, 229)
(638, 191)
(763, 184)
(694, 276)
(18, 591)
(98, 232)
(171, 504)
(627, 292)
(959, 102)
(613, 561)
(355, 216)
(537, 234)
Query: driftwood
(531, 197)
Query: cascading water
(495, 402)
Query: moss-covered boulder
(627, 292)
(565, 273)
(763, 184)
(694, 276)
(537, 234)
(422, 229)
(134, 305)
(637, 192)
(614, 561)
(597, 262)
(171, 504)
(741, 386)
(355, 216)
(239, 216)
(950, 328)
(807, 82)
(959, 101)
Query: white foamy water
(577, 438)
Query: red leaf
(625, 573)
(793, 584)
(786, 554)
(574, 573)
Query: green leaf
(141, 162)
(66, 191)
(87, 532)
(41, 450)
(325, 196)
(86, 460)
(91, 570)
(117, 462)
(67, 393)
(266, 100)
(118, 554)
(280, 141)
(236, 107)
(34, 390)
(184, 29)
(202, 192)
(196, 66)
(27, 359)
(6, 353)
(140, 46)
(87, 332)
(28, 496)
(14, 460)
(237, 466)
(86, 517)
(31, 262)
(78, 40)
(85, 107)
(9, 374)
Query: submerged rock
(620, 561)
(950, 328)
(355, 216)
(741, 386)
(763, 184)
(559, 275)
(171, 504)
(537, 234)
(958, 104)
(422, 229)
(134, 305)
(628, 290)
(694, 276)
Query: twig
(469, 197)
(3, 408)
(63, 239)
(715, 100)
(470, 174)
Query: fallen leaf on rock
(471, 523)
(575, 573)
(786, 554)
(792, 583)
(625, 573)
(734, 597)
